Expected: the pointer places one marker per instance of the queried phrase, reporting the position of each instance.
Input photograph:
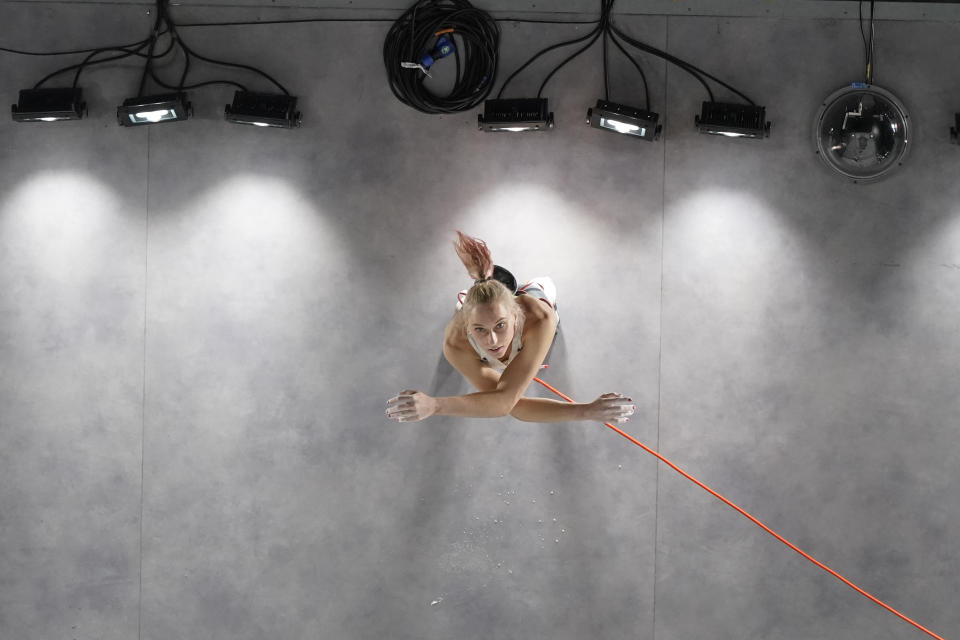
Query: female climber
(498, 339)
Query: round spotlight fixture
(862, 132)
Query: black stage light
(521, 114)
(263, 110)
(168, 107)
(620, 118)
(733, 120)
(49, 105)
(955, 130)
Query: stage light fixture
(168, 107)
(49, 105)
(620, 118)
(518, 114)
(263, 110)
(733, 120)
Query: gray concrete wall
(200, 325)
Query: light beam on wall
(561, 228)
(738, 252)
(60, 224)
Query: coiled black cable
(476, 38)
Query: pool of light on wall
(528, 226)
(736, 252)
(61, 225)
(250, 242)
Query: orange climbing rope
(757, 522)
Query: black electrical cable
(606, 10)
(210, 83)
(868, 45)
(162, 26)
(164, 18)
(610, 31)
(565, 61)
(253, 23)
(608, 36)
(698, 73)
(603, 26)
(81, 66)
(606, 6)
(70, 53)
(689, 68)
(190, 52)
(537, 21)
(873, 40)
(606, 74)
(593, 33)
(161, 18)
(186, 66)
(156, 56)
(643, 76)
(88, 61)
(476, 39)
(179, 88)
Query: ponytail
(475, 256)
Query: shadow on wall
(391, 607)
(437, 448)
(567, 467)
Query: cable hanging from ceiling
(533, 114)
(429, 31)
(52, 104)
(867, 41)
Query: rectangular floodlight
(263, 110)
(524, 114)
(49, 105)
(733, 120)
(168, 107)
(620, 118)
